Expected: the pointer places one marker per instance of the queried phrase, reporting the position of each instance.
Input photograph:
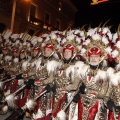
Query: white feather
(109, 35)
(114, 79)
(110, 71)
(38, 115)
(53, 36)
(48, 111)
(1, 85)
(83, 50)
(1, 55)
(105, 40)
(31, 104)
(25, 64)
(79, 65)
(115, 36)
(118, 44)
(101, 75)
(117, 67)
(105, 30)
(25, 43)
(91, 32)
(115, 53)
(55, 55)
(84, 70)
(52, 65)
(96, 37)
(82, 33)
(77, 31)
(64, 40)
(87, 42)
(15, 60)
(8, 58)
(40, 39)
(5, 109)
(38, 64)
(17, 42)
(108, 50)
(20, 81)
(61, 115)
(105, 63)
(78, 39)
(58, 39)
(79, 47)
(70, 70)
(10, 100)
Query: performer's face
(22, 55)
(67, 54)
(5, 52)
(35, 52)
(95, 59)
(47, 52)
(15, 53)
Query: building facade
(37, 15)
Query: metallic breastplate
(42, 73)
(98, 88)
(61, 80)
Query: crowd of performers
(61, 75)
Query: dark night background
(95, 14)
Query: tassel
(38, 115)
(10, 100)
(61, 115)
(31, 104)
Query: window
(32, 10)
(47, 18)
(2, 27)
(58, 24)
(59, 6)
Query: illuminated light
(59, 9)
(50, 27)
(98, 1)
(45, 26)
(36, 23)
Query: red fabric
(6, 87)
(24, 100)
(37, 48)
(37, 102)
(111, 116)
(48, 117)
(94, 51)
(14, 87)
(89, 78)
(80, 110)
(49, 46)
(69, 47)
(59, 105)
(15, 50)
(22, 51)
(4, 48)
(92, 112)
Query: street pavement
(3, 117)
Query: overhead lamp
(95, 2)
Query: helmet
(49, 46)
(69, 47)
(94, 51)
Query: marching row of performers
(69, 75)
